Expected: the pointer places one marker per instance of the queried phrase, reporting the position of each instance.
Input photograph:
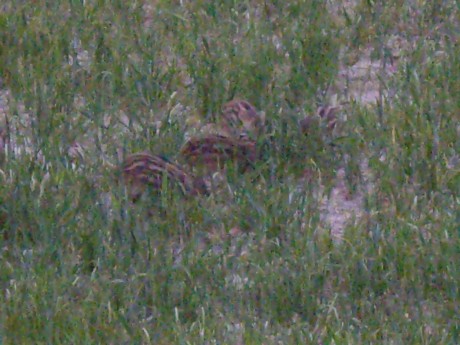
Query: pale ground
(358, 83)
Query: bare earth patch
(357, 83)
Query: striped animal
(240, 116)
(144, 169)
(213, 151)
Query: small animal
(240, 116)
(213, 151)
(143, 169)
(329, 115)
(324, 114)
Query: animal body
(143, 170)
(214, 151)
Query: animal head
(325, 115)
(241, 115)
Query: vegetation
(255, 262)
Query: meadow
(348, 236)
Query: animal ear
(327, 112)
(331, 117)
(321, 111)
(246, 105)
(333, 111)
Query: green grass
(79, 264)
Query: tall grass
(80, 264)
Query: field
(343, 236)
